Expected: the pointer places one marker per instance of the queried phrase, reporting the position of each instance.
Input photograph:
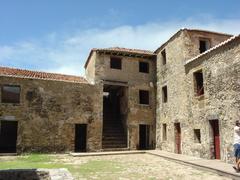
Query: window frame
(147, 67)
(197, 91)
(197, 136)
(3, 100)
(164, 57)
(148, 97)
(207, 44)
(164, 94)
(115, 66)
(164, 131)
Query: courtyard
(108, 167)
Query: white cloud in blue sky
(66, 52)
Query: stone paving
(137, 166)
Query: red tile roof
(14, 72)
(121, 50)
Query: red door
(216, 138)
(177, 138)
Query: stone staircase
(113, 131)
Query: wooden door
(216, 138)
(177, 138)
(8, 136)
(144, 136)
(80, 137)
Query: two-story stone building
(182, 98)
(113, 108)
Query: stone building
(113, 108)
(197, 93)
(41, 112)
(182, 98)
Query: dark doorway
(144, 136)
(8, 136)
(177, 129)
(80, 137)
(114, 117)
(215, 139)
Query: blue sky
(57, 35)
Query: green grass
(32, 161)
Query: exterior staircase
(114, 137)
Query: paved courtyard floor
(112, 167)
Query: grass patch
(34, 161)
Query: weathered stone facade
(193, 112)
(221, 100)
(99, 71)
(178, 116)
(48, 111)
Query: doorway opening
(215, 139)
(80, 137)
(177, 130)
(8, 136)
(115, 111)
(144, 137)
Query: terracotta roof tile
(121, 50)
(14, 72)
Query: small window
(204, 45)
(144, 67)
(164, 94)
(198, 83)
(10, 94)
(115, 63)
(197, 136)
(164, 131)
(164, 59)
(143, 97)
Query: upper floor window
(116, 63)
(164, 94)
(143, 97)
(10, 94)
(204, 45)
(164, 58)
(144, 67)
(198, 83)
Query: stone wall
(221, 99)
(49, 110)
(181, 47)
(135, 81)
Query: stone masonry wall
(137, 113)
(221, 100)
(179, 49)
(49, 110)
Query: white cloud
(67, 53)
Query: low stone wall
(35, 174)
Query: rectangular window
(10, 94)
(197, 136)
(198, 83)
(204, 45)
(164, 131)
(143, 97)
(164, 94)
(164, 59)
(115, 63)
(144, 67)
